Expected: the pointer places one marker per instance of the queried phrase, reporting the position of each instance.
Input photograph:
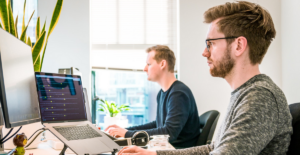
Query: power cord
(34, 139)
(3, 141)
(36, 132)
(43, 129)
(6, 134)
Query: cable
(35, 133)
(6, 134)
(11, 135)
(34, 138)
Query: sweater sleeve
(253, 126)
(132, 130)
(149, 125)
(178, 108)
(199, 150)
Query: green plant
(8, 24)
(112, 108)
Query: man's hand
(134, 150)
(116, 131)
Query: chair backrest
(208, 122)
(294, 147)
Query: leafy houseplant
(111, 108)
(8, 24)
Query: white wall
(68, 45)
(290, 49)
(214, 93)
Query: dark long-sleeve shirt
(177, 116)
(258, 121)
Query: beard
(222, 68)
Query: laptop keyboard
(77, 132)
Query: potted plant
(38, 50)
(113, 111)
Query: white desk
(45, 149)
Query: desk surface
(45, 149)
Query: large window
(121, 31)
(127, 87)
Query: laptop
(63, 112)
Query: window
(121, 31)
(18, 7)
(127, 87)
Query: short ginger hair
(163, 52)
(245, 19)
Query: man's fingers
(127, 150)
(113, 132)
(111, 126)
(108, 130)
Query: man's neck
(240, 75)
(166, 81)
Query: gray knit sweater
(258, 121)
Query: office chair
(294, 148)
(208, 122)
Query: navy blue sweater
(177, 116)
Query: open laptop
(63, 112)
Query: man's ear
(163, 64)
(241, 46)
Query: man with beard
(258, 120)
(177, 113)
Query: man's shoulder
(179, 86)
(263, 92)
(261, 86)
(265, 86)
(180, 91)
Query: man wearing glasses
(258, 120)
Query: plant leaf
(37, 29)
(23, 35)
(23, 21)
(11, 19)
(54, 20)
(100, 109)
(110, 108)
(104, 108)
(37, 48)
(37, 65)
(1, 25)
(55, 16)
(16, 27)
(28, 42)
(44, 27)
(43, 54)
(4, 15)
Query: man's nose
(205, 53)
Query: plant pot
(111, 120)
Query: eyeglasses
(208, 44)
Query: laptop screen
(60, 97)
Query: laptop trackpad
(90, 146)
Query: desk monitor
(18, 95)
